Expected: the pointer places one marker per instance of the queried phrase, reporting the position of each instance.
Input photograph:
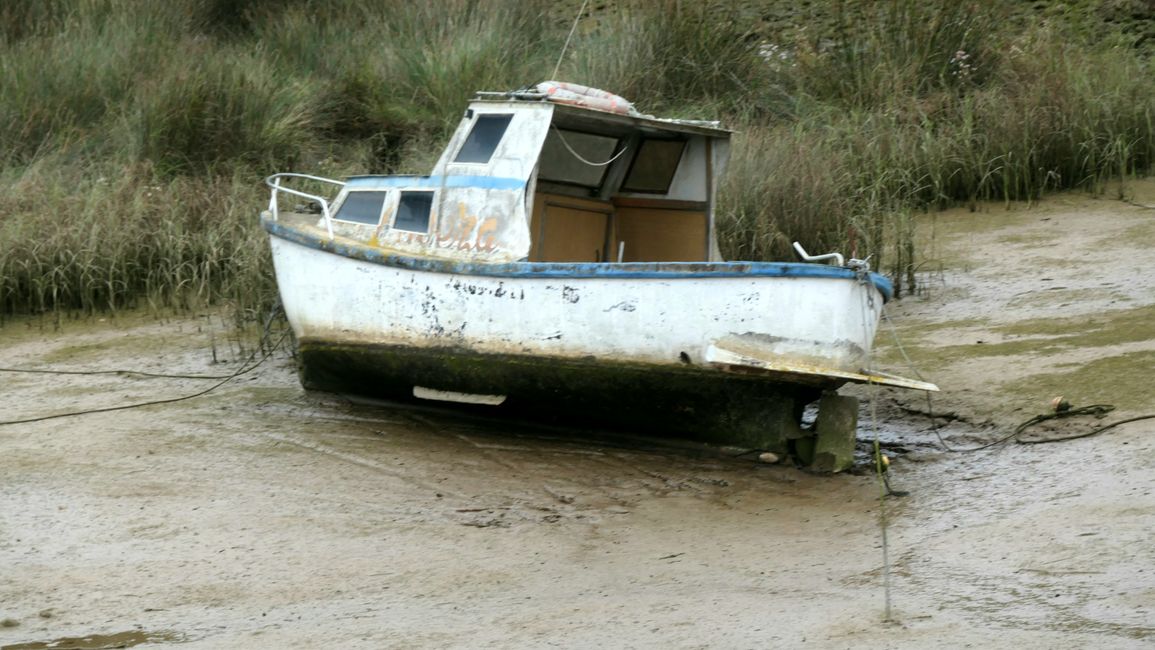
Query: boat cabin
(529, 178)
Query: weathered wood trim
(662, 204)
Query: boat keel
(687, 401)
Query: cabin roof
(585, 118)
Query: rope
(1138, 205)
(883, 491)
(879, 471)
(1098, 410)
(138, 373)
(565, 47)
(579, 156)
(898, 343)
(914, 369)
(240, 371)
(1088, 434)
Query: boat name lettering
(469, 233)
(480, 290)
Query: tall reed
(673, 57)
(113, 237)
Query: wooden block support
(836, 425)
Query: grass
(682, 59)
(133, 134)
(110, 237)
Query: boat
(561, 260)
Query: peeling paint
(311, 237)
(624, 306)
(585, 311)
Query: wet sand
(264, 516)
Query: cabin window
(362, 207)
(576, 158)
(654, 166)
(483, 139)
(413, 211)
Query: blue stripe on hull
(435, 182)
(573, 270)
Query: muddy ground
(262, 516)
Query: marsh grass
(893, 49)
(689, 59)
(118, 238)
(223, 107)
(134, 134)
(398, 80)
(853, 167)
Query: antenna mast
(573, 29)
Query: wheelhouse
(526, 179)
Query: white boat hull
(640, 320)
(631, 344)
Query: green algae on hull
(687, 401)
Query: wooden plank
(804, 373)
(653, 235)
(666, 204)
(569, 229)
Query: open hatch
(614, 188)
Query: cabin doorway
(570, 229)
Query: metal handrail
(837, 257)
(274, 182)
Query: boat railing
(860, 267)
(836, 257)
(274, 182)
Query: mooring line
(561, 55)
(883, 488)
(121, 372)
(1097, 410)
(240, 371)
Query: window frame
(478, 117)
(367, 190)
(625, 187)
(619, 143)
(397, 210)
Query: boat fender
(579, 95)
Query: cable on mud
(243, 370)
(1062, 410)
(1096, 410)
(121, 372)
(1089, 410)
(881, 463)
(224, 379)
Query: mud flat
(262, 516)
